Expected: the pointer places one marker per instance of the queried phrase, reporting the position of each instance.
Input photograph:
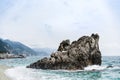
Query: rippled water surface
(19, 72)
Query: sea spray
(94, 68)
(22, 73)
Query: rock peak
(77, 55)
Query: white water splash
(19, 73)
(94, 68)
(22, 73)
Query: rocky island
(71, 56)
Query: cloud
(44, 23)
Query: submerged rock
(109, 66)
(77, 55)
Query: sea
(95, 72)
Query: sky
(45, 23)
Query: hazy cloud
(44, 23)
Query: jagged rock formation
(77, 55)
(64, 45)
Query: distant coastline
(9, 56)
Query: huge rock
(77, 55)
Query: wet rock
(64, 45)
(77, 55)
(109, 66)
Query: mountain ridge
(15, 47)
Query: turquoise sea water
(19, 72)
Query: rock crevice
(77, 55)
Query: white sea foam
(19, 73)
(22, 73)
(95, 68)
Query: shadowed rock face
(77, 55)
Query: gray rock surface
(77, 55)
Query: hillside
(13, 47)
